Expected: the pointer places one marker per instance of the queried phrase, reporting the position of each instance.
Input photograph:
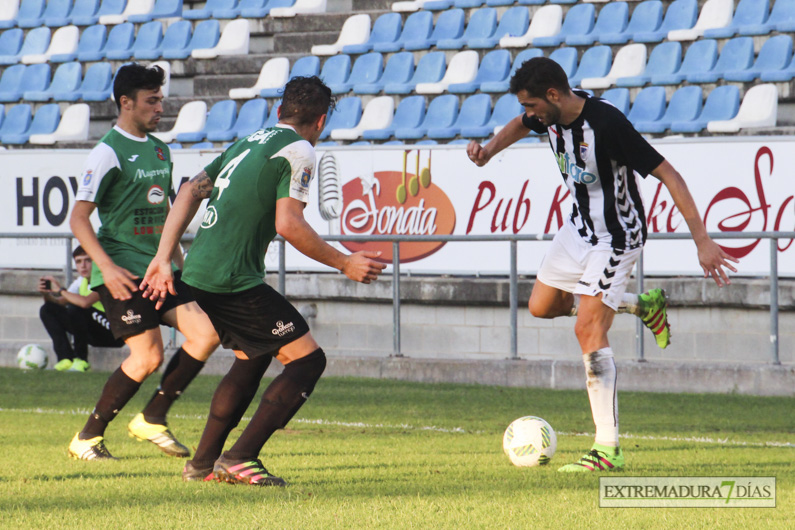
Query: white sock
(629, 304)
(574, 306)
(600, 376)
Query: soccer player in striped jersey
(585, 273)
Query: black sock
(117, 392)
(230, 401)
(181, 370)
(280, 401)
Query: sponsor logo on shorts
(131, 318)
(283, 329)
(155, 195)
(587, 284)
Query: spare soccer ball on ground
(32, 357)
(529, 441)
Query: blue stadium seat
(261, 8)
(722, 103)
(513, 22)
(438, 5)
(398, 69)
(175, 41)
(646, 18)
(67, 78)
(449, 25)
(665, 59)
(97, 84)
(56, 14)
(531, 2)
(207, 11)
(220, 119)
(36, 42)
(366, 69)
(595, 62)
(502, 85)
(30, 13)
(273, 116)
(442, 112)
(482, 24)
(305, 66)
(773, 57)
(475, 112)
(10, 82)
(494, 67)
(91, 39)
(612, 19)
(506, 109)
(202, 145)
(17, 121)
(685, 105)
(468, 3)
(567, 59)
(10, 45)
(148, 41)
(346, 115)
(785, 74)
(498, 3)
(579, 21)
(681, 14)
(619, 97)
(35, 77)
(119, 42)
(748, 12)
(107, 7)
(409, 114)
(252, 115)
(336, 70)
(649, 105)
(418, 26)
(205, 35)
(45, 121)
(701, 56)
(162, 9)
(386, 28)
(562, 1)
(430, 69)
(737, 54)
(782, 19)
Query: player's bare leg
(549, 302)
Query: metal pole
(514, 303)
(282, 265)
(396, 299)
(67, 270)
(774, 299)
(639, 323)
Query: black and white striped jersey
(600, 155)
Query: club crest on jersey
(584, 150)
(159, 153)
(306, 176)
(87, 176)
(155, 195)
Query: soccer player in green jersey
(127, 178)
(257, 188)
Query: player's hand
(360, 267)
(714, 260)
(477, 153)
(54, 285)
(158, 282)
(119, 281)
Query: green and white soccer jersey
(129, 179)
(228, 254)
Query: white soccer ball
(32, 357)
(529, 441)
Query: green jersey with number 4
(228, 254)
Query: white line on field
(433, 428)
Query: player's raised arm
(513, 131)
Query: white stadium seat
(134, 7)
(758, 109)
(377, 115)
(630, 61)
(714, 14)
(408, 7)
(301, 6)
(463, 68)
(8, 13)
(234, 41)
(64, 40)
(546, 22)
(166, 66)
(191, 118)
(73, 127)
(355, 30)
(274, 74)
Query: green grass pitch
(385, 454)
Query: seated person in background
(78, 311)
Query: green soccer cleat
(191, 473)
(599, 458)
(63, 365)
(654, 306)
(250, 472)
(158, 434)
(91, 449)
(79, 365)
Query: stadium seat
(96, 85)
(409, 6)
(514, 21)
(166, 67)
(91, 39)
(612, 19)
(191, 119)
(64, 42)
(475, 112)
(355, 31)
(619, 98)
(665, 59)
(785, 74)
(681, 14)
(685, 105)
(502, 85)
(176, 40)
(409, 114)
(45, 121)
(237, 9)
(107, 7)
(30, 13)
(595, 62)
(366, 69)
(10, 82)
(36, 77)
(119, 43)
(234, 41)
(377, 115)
(8, 14)
(272, 75)
(567, 59)
(563, 1)
(748, 12)
(273, 116)
(630, 62)
(449, 25)
(493, 68)
(346, 115)
(722, 104)
(36, 42)
(438, 5)
(73, 127)
(67, 79)
(305, 66)
(206, 32)
(56, 14)
(714, 14)
(16, 122)
(782, 19)
(498, 3)
(579, 21)
(701, 56)
(336, 70)
(386, 28)
(300, 6)
(83, 10)
(482, 25)
(758, 109)
(737, 54)
(260, 8)
(418, 26)
(161, 9)
(10, 45)
(398, 69)
(773, 57)
(531, 2)
(220, 120)
(546, 22)
(463, 68)
(202, 145)
(646, 18)
(442, 112)
(506, 109)
(133, 7)
(649, 105)
(252, 115)
(430, 69)
(147, 41)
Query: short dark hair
(537, 75)
(79, 251)
(133, 77)
(304, 100)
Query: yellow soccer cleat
(91, 449)
(655, 308)
(159, 435)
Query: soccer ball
(529, 441)
(32, 357)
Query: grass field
(385, 454)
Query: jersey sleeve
(75, 287)
(626, 146)
(298, 172)
(213, 168)
(533, 124)
(102, 164)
